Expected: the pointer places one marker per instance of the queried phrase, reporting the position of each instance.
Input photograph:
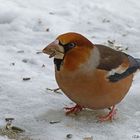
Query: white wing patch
(118, 70)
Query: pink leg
(109, 116)
(77, 108)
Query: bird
(93, 76)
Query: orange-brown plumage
(74, 58)
(93, 91)
(93, 76)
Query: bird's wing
(120, 64)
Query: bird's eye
(67, 46)
(70, 45)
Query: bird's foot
(109, 116)
(77, 108)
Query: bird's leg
(109, 116)
(77, 108)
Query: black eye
(67, 46)
(70, 45)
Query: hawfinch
(93, 76)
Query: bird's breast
(92, 90)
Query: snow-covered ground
(26, 27)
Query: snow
(23, 26)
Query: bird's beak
(54, 50)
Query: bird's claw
(74, 110)
(109, 116)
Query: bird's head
(71, 47)
(65, 43)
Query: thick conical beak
(50, 49)
(54, 50)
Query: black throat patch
(67, 47)
(58, 63)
